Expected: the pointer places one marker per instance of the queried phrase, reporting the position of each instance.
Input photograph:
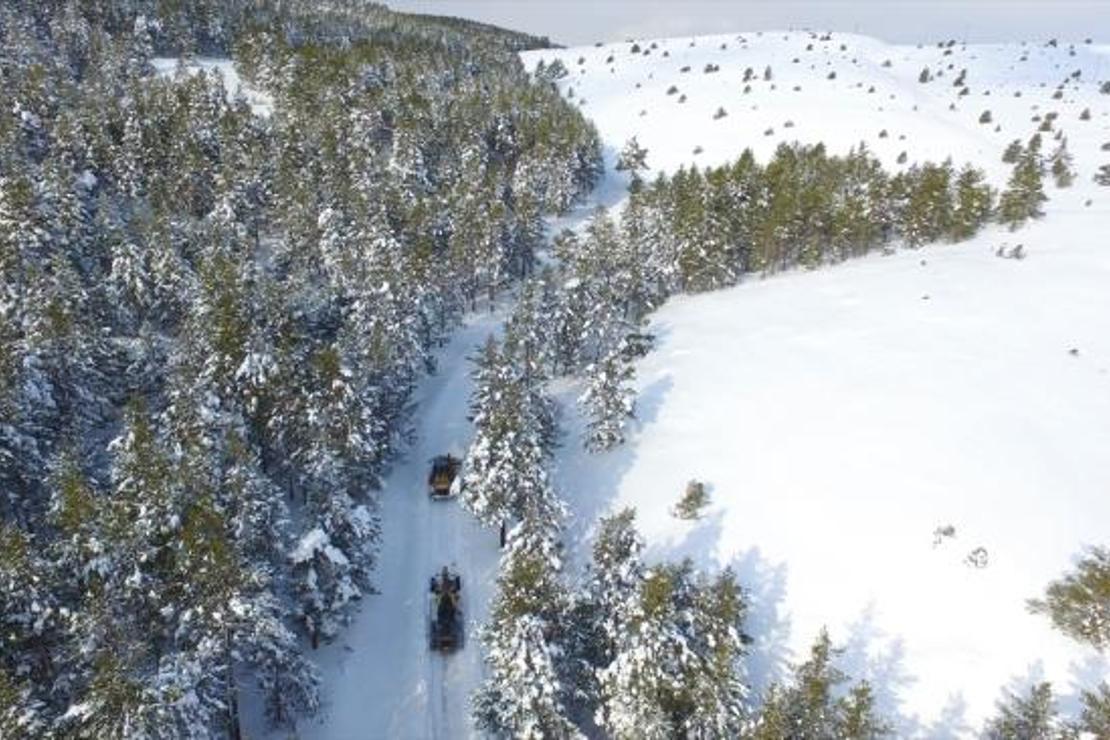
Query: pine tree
(504, 476)
(1095, 717)
(1079, 603)
(1061, 166)
(973, 200)
(675, 669)
(809, 709)
(633, 159)
(1024, 195)
(1031, 717)
(1013, 152)
(609, 400)
(523, 697)
(859, 720)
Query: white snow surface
(260, 101)
(840, 416)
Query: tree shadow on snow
(870, 654)
(1086, 675)
(952, 722)
(590, 482)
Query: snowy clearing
(840, 417)
(260, 102)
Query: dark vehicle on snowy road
(445, 621)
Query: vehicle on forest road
(445, 619)
(443, 480)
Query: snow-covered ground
(260, 101)
(841, 416)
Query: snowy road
(380, 678)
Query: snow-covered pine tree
(524, 695)
(1095, 717)
(720, 693)
(599, 611)
(632, 159)
(609, 400)
(504, 470)
(1024, 194)
(646, 690)
(1027, 716)
(1078, 603)
(1061, 166)
(973, 204)
(928, 214)
(809, 706)
(33, 624)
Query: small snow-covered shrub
(1102, 177)
(943, 532)
(694, 500)
(1017, 252)
(721, 113)
(977, 558)
(672, 90)
(1085, 115)
(985, 117)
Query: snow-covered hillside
(842, 416)
(875, 90)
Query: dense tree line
(211, 322)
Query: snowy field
(841, 416)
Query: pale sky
(577, 22)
